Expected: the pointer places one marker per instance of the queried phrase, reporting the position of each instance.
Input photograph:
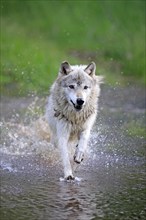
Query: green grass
(135, 128)
(36, 36)
(28, 62)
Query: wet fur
(68, 125)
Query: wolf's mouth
(77, 107)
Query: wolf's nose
(80, 101)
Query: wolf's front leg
(81, 147)
(83, 139)
(63, 137)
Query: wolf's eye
(71, 86)
(85, 87)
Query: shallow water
(112, 184)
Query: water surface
(112, 176)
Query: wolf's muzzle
(79, 104)
(80, 101)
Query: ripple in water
(110, 182)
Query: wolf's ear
(65, 68)
(90, 69)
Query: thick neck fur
(64, 110)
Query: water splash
(8, 167)
(27, 134)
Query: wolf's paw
(70, 178)
(78, 157)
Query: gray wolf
(71, 111)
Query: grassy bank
(36, 36)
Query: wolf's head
(78, 83)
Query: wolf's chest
(76, 127)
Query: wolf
(72, 109)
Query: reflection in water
(103, 193)
(113, 174)
(77, 202)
